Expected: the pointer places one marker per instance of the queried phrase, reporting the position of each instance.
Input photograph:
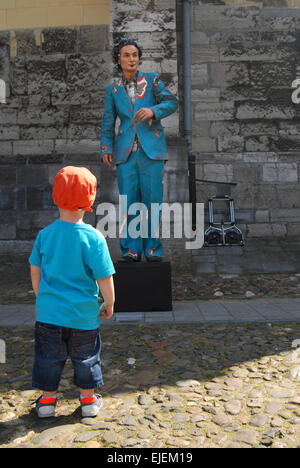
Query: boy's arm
(106, 286)
(35, 273)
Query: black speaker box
(143, 287)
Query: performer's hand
(144, 113)
(107, 159)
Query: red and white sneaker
(91, 406)
(45, 407)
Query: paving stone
(144, 400)
(273, 407)
(51, 433)
(187, 383)
(222, 420)
(259, 420)
(233, 407)
(247, 436)
(86, 436)
(110, 438)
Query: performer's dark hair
(118, 47)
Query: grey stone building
(246, 119)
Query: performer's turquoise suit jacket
(139, 173)
(151, 92)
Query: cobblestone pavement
(186, 385)
(166, 386)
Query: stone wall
(56, 83)
(245, 125)
(56, 79)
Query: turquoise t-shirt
(72, 257)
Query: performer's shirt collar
(133, 79)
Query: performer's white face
(129, 59)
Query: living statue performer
(141, 101)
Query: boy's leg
(84, 349)
(86, 393)
(50, 357)
(49, 394)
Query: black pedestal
(143, 287)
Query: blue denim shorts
(53, 345)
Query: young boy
(69, 262)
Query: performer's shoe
(154, 258)
(130, 258)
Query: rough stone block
(207, 94)
(42, 116)
(8, 175)
(243, 48)
(231, 143)
(222, 17)
(205, 54)
(285, 215)
(84, 146)
(84, 116)
(42, 133)
(32, 175)
(59, 40)
(262, 216)
(279, 230)
(293, 230)
(259, 128)
(259, 230)
(140, 19)
(261, 111)
(226, 75)
(214, 111)
(29, 148)
(271, 74)
(39, 198)
(27, 42)
(8, 116)
(12, 198)
(93, 39)
(63, 96)
(257, 143)
(218, 172)
(220, 129)
(87, 71)
(255, 196)
(11, 132)
(79, 132)
(5, 149)
(202, 143)
(246, 172)
(45, 73)
(289, 195)
(282, 172)
(7, 231)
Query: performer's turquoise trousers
(141, 180)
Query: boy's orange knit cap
(74, 187)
